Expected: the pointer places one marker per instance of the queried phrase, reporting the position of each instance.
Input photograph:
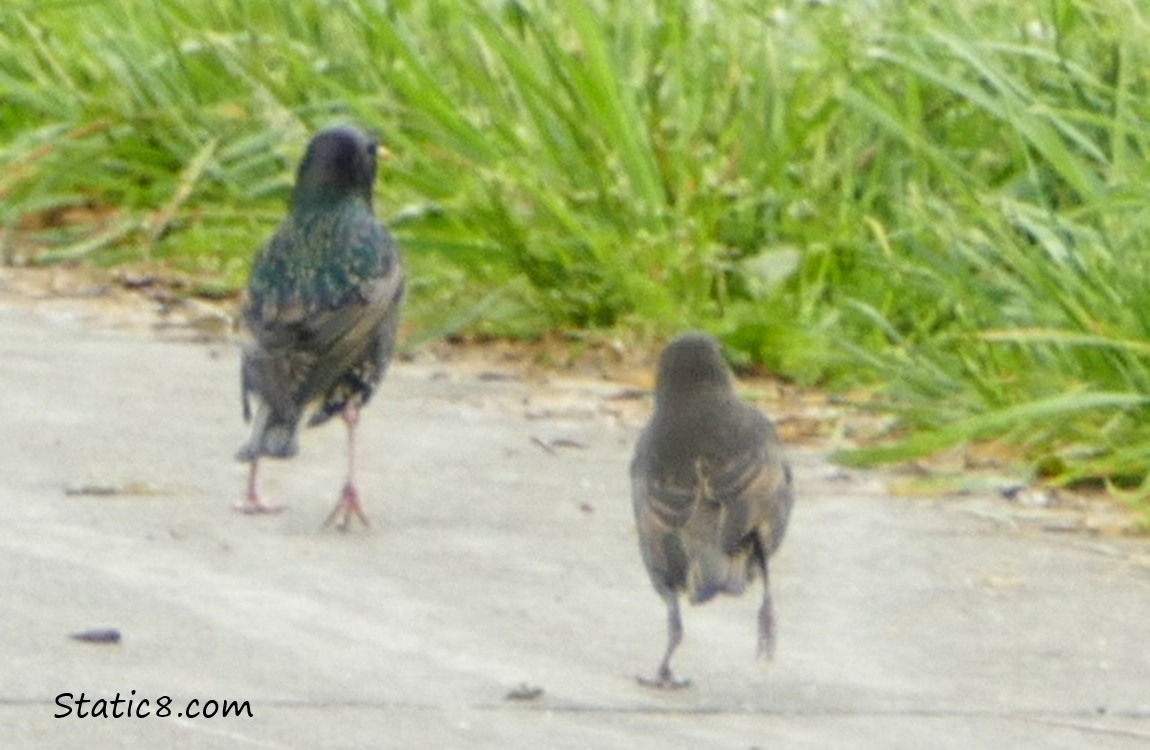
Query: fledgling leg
(348, 505)
(766, 617)
(252, 504)
(664, 679)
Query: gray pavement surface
(495, 563)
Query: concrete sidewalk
(496, 565)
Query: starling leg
(252, 504)
(348, 506)
(766, 618)
(664, 679)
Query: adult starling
(322, 310)
(711, 491)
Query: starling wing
(323, 311)
(705, 521)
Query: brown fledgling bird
(322, 311)
(711, 491)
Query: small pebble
(524, 692)
(98, 635)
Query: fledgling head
(339, 163)
(691, 364)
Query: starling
(711, 491)
(322, 310)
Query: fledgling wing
(703, 516)
(663, 506)
(752, 486)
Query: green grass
(946, 201)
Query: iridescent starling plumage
(711, 492)
(322, 308)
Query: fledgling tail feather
(713, 573)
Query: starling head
(339, 163)
(691, 364)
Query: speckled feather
(323, 300)
(712, 494)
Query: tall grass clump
(560, 165)
(1019, 251)
(943, 201)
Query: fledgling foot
(253, 506)
(347, 508)
(766, 650)
(664, 680)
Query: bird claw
(664, 681)
(256, 507)
(347, 508)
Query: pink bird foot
(347, 508)
(253, 506)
